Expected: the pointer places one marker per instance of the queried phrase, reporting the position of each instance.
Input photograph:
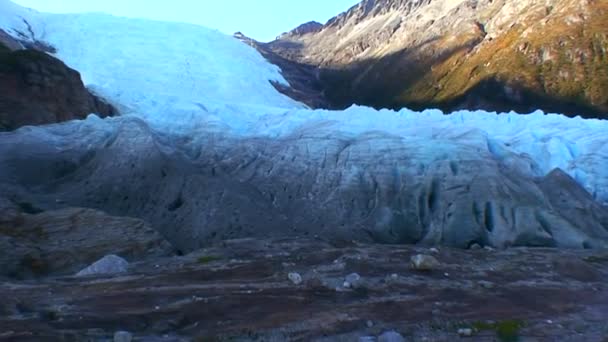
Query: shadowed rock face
(366, 188)
(36, 89)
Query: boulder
(422, 262)
(123, 336)
(295, 278)
(391, 336)
(108, 265)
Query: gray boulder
(391, 336)
(422, 262)
(108, 265)
(123, 336)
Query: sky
(260, 19)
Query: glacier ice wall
(207, 149)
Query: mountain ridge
(456, 54)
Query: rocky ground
(307, 290)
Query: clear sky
(259, 19)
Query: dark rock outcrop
(7, 41)
(36, 89)
(39, 244)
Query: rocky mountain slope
(306, 28)
(491, 54)
(37, 88)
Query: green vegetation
(208, 259)
(506, 331)
(597, 258)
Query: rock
(62, 242)
(352, 280)
(9, 42)
(123, 336)
(315, 283)
(422, 262)
(476, 247)
(391, 336)
(486, 284)
(434, 250)
(295, 278)
(306, 28)
(37, 88)
(465, 332)
(108, 265)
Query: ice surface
(18, 21)
(188, 81)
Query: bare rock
(465, 332)
(36, 89)
(486, 284)
(352, 280)
(295, 278)
(67, 240)
(391, 336)
(422, 262)
(108, 265)
(123, 336)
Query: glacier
(207, 149)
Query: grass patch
(506, 331)
(596, 258)
(207, 259)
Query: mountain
(306, 28)
(475, 54)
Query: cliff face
(36, 88)
(451, 54)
